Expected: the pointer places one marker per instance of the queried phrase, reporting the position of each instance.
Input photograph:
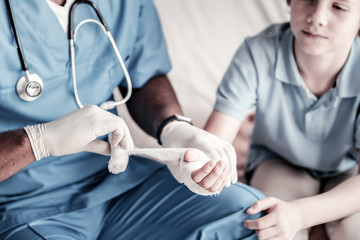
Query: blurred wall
(202, 36)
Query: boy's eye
(310, 1)
(337, 7)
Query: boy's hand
(283, 220)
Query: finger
(261, 223)
(201, 173)
(226, 177)
(223, 184)
(121, 136)
(127, 142)
(99, 147)
(262, 205)
(228, 154)
(216, 156)
(191, 155)
(267, 233)
(221, 181)
(211, 178)
(118, 161)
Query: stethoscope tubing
(22, 85)
(23, 62)
(71, 31)
(72, 40)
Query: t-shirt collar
(286, 69)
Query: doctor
(53, 155)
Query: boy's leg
(161, 208)
(277, 178)
(348, 227)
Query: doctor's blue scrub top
(322, 134)
(58, 185)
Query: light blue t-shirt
(56, 185)
(291, 123)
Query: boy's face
(323, 26)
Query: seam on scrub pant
(23, 232)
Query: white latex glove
(77, 132)
(177, 134)
(174, 160)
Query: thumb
(118, 161)
(98, 146)
(262, 205)
(191, 155)
(122, 138)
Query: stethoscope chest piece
(29, 87)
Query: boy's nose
(318, 16)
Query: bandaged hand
(183, 167)
(177, 134)
(283, 219)
(78, 131)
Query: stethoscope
(30, 86)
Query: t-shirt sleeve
(357, 129)
(149, 57)
(236, 95)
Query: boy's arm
(152, 103)
(222, 125)
(286, 218)
(339, 202)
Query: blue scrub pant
(158, 208)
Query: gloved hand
(177, 134)
(77, 132)
(179, 167)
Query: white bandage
(174, 159)
(178, 134)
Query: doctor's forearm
(152, 103)
(15, 152)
